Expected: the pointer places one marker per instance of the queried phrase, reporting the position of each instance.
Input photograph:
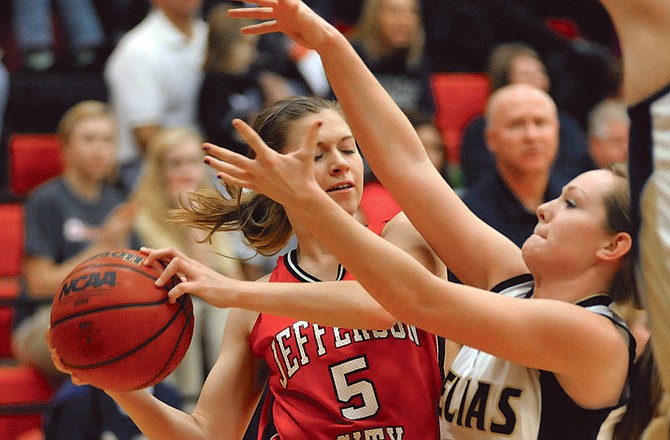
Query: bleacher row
(36, 157)
(24, 392)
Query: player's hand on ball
(58, 362)
(197, 278)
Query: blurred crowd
(170, 74)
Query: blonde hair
(224, 33)
(153, 201)
(368, 32)
(263, 221)
(77, 113)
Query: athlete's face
(338, 167)
(571, 229)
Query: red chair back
(459, 97)
(25, 394)
(33, 159)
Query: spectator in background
(522, 135)
(154, 76)
(608, 133)
(377, 204)
(68, 219)
(174, 167)
(33, 28)
(517, 63)
(87, 413)
(462, 34)
(234, 85)
(4, 98)
(4, 94)
(389, 36)
(432, 140)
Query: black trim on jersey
(291, 263)
(441, 355)
(595, 300)
(600, 304)
(519, 279)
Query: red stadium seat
(25, 394)
(33, 159)
(11, 245)
(459, 97)
(9, 291)
(11, 249)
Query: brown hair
(500, 62)
(224, 33)
(619, 219)
(646, 393)
(368, 32)
(263, 221)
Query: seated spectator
(377, 205)
(389, 36)
(68, 219)
(432, 141)
(88, 413)
(234, 86)
(4, 98)
(174, 167)
(522, 136)
(4, 93)
(516, 63)
(33, 28)
(608, 132)
(462, 34)
(154, 76)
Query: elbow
(381, 319)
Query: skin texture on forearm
(331, 303)
(393, 149)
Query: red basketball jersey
(340, 384)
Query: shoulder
(49, 193)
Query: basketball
(113, 328)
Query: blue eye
(570, 204)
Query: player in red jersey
(325, 382)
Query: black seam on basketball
(131, 351)
(108, 308)
(176, 345)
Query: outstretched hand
(197, 278)
(292, 17)
(285, 178)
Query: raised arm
(393, 149)
(582, 343)
(334, 303)
(642, 27)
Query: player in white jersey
(643, 27)
(580, 251)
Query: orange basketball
(116, 330)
